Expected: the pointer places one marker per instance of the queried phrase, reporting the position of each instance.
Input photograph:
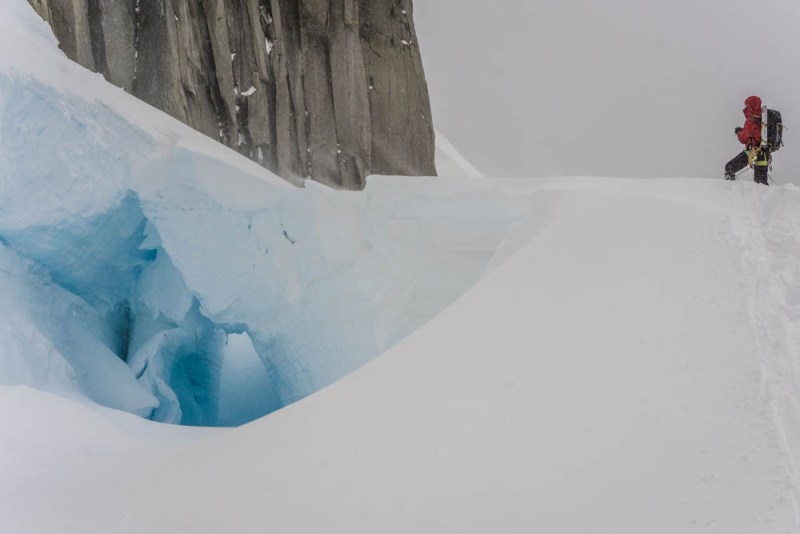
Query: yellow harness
(753, 154)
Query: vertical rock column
(70, 22)
(175, 68)
(402, 132)
(113, 33)
(253, 87)
(286, 61)
(350, 89)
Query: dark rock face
(333, 90)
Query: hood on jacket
(752, 107)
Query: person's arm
(742, 134)
(749, 135)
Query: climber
(759, 140)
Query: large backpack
(772, 129)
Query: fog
(609, 88)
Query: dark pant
(760, 172)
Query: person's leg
(761, 174)
(735, 165)
(761, 168)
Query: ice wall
(137, 257)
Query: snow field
(611, 376)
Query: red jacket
(750, 135)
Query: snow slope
(633, 368)
(450, 162)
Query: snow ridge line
(770, 262)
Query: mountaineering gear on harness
(758, 157)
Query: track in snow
(767, 234)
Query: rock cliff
(333, 90)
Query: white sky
(615, 88)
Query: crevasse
(135, 259)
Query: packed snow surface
(632, 368)
(624, 359)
